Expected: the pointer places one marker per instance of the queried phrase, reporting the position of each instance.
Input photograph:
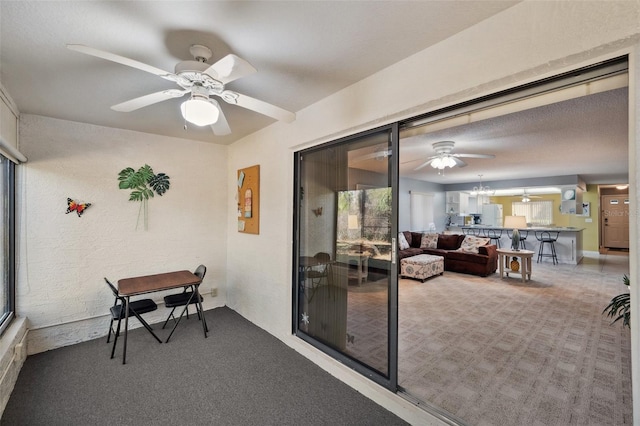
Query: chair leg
(115, 338)
(148, 327)
(169, 317)
(540, 251)
(110, 330)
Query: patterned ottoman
(421, 266)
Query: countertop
(531, 228)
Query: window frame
(8, 220)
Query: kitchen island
(568, 246)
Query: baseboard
(41, 339)
(13, 352)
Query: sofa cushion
(465, 256)
(429, 241)
(407, 236)
(416, 239)
(436, 252)
(402, 241)
(471, 243)
(449, 242)
(411, 251)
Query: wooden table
(362, 262)
(525, 262)
(135, 286)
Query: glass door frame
(391, 381)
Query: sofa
(482, 263)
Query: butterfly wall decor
(76, 207)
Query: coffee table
(525, 262)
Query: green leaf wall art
(144, 183)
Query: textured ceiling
(586, 136)
(303, 51)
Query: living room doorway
(469, 346)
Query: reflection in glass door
(346, 281)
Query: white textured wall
(527, 42)
(63, 258)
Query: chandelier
(482, 190)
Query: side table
(362, 261)
(525, 262)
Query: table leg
(523, 273)
(501, 266)
(180, 317)
(126, 330)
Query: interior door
(346, 272)
(615, 221)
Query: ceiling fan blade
(256, 105)
(473, 155)
(220, 127)
(121, 60)
(425, 164)
(230, 68)
(146, 100)
(459, 162)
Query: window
(536, 212)
(7, 241)
(422, 216)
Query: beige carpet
(500, 352)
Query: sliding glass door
(346, 279)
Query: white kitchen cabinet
(571, 200)
(473, 205)
(464, 203)
(452, 205)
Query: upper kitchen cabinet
(571, 200)
(452, 205)
(457, 202)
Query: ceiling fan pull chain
(185, 120)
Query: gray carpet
(240, 375)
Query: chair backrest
(322, 257)
(114, 290)
(112, 287)
(200, 271)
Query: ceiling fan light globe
(437, 163)
(199, 112)
(448, 162)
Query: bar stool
(546, 237)
(523, 236)
(494, 235)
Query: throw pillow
(402, 241)
(429, 241)
(449, 241)
(471, 243)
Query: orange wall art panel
(249, 200)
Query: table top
(156, 282)
(512, 252)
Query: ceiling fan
(201, 81)
(526, 197)
(446, 158)
(379, 153)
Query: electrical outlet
(214, 292)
